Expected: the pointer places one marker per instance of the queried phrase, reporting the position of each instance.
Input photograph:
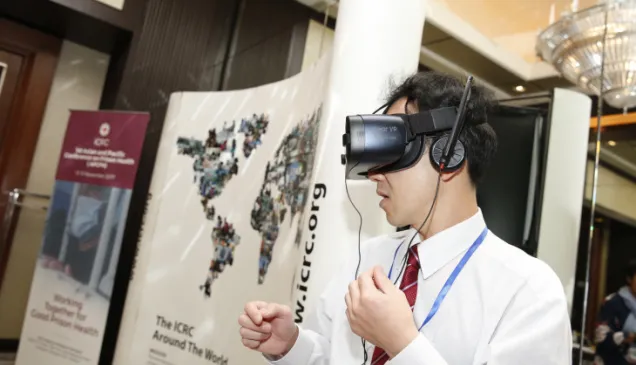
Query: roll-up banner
(229, 204)
(73, 280)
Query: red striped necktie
(409, 287)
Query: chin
(392, 221)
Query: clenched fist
(268, 328)
(379, 312)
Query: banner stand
(74, 276)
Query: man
(504, 306)
(615, 334)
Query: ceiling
(494, 40)
(482, 67)
(626, 150)
(495, 18)
(509, 29)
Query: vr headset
(381, 143)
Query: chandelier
(576, 43)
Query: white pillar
(375, 41)
(563, 185)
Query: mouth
(382, 194)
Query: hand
(268, 328)
(379, 312)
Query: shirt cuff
(419, 352)
(299, 353)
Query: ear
(448, 176)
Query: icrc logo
(104, 131)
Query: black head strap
(431, 121)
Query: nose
(376, 177)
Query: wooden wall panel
(267, 39)
(246, 69)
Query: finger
(248, 334)
(251, 344)
(274, 310)
(366, 284)
(260, 304)
(245, 321)
(348, 300)
(382, 282)
(354, 292)
(254, 313)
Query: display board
(229, 202)
(73, 280)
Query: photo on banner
(227, 208)
(75, 271)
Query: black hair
(630, 270)
(430, 90)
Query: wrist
(402, 341)
(291, 342)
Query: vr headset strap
(431, 121)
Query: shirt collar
(440, 249)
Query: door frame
(2, 75)
(40, 53)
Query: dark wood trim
(116, 69)
(27, 41)
(88, 29)
(130, 18)
(320, 18)
(9, 345)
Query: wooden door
(10, 69)
(28, 59)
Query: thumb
(382, 282)
(272, 311)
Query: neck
(449, 210)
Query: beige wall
(615, 192)
(312, 45)
(78, 84)
(494, 18)
(117, 4)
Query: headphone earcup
(437, 150)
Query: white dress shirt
(505, 307)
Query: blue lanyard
(451, 278)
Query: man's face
(407, 194)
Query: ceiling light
(574, 46)
(611, 143)
(520, 88)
